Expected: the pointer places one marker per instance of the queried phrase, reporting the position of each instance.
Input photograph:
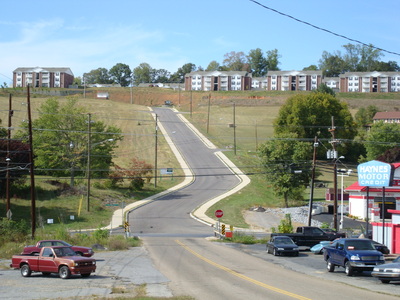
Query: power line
(323, 29)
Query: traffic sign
(219, 213)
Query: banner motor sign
(375, 173)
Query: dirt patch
(265, 220)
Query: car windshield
(359, 245)
(64, 251)
(283, 241)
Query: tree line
(354, 58)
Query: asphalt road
(170, 215)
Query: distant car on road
(282, 245)
(388, 272)
(35, 249)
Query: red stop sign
(219, 213)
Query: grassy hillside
(212, 113)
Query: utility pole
(33, 200)
(335, 158)
(208, 112)
(234, 128)
(191, 103)
(89, 141)
(10, 113)
(155, 153)
(312, 181)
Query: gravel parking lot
(127, 272)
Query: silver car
(388, 272)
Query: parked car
(388, 272)
(381, 247)
(58, 259)
(35, 249)
(281, 245)
(319, 248)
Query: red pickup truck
(59, 259)
(35, 249)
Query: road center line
(261, 284)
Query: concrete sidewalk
(199, 213)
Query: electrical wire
(323, 29)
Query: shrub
(100, 235)
(12, 231)
(285, 225)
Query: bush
(100, 235)
(12, 231)
(285, 225)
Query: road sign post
(219, 213)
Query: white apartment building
(43, 77)
(218, 81)
(370, 82)
(293, 80)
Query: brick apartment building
(43, 77)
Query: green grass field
(251, 112)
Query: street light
(342, 172)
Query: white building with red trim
(383, 209)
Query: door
(46, 261)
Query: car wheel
(26, 270)
(385, 281)
(275, 252)
(85, 275)
(296, 254)
(64, 272)
(330, 266)
(348, 269)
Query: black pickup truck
(310, 236)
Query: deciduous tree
(142, 73)
(273, 60)
(287, 164)
(258, 63)
(310, 115)
(236, 61)
(381, 137)
(60, 140)
(121, 73)
(99, 75)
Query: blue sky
(86, 35)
